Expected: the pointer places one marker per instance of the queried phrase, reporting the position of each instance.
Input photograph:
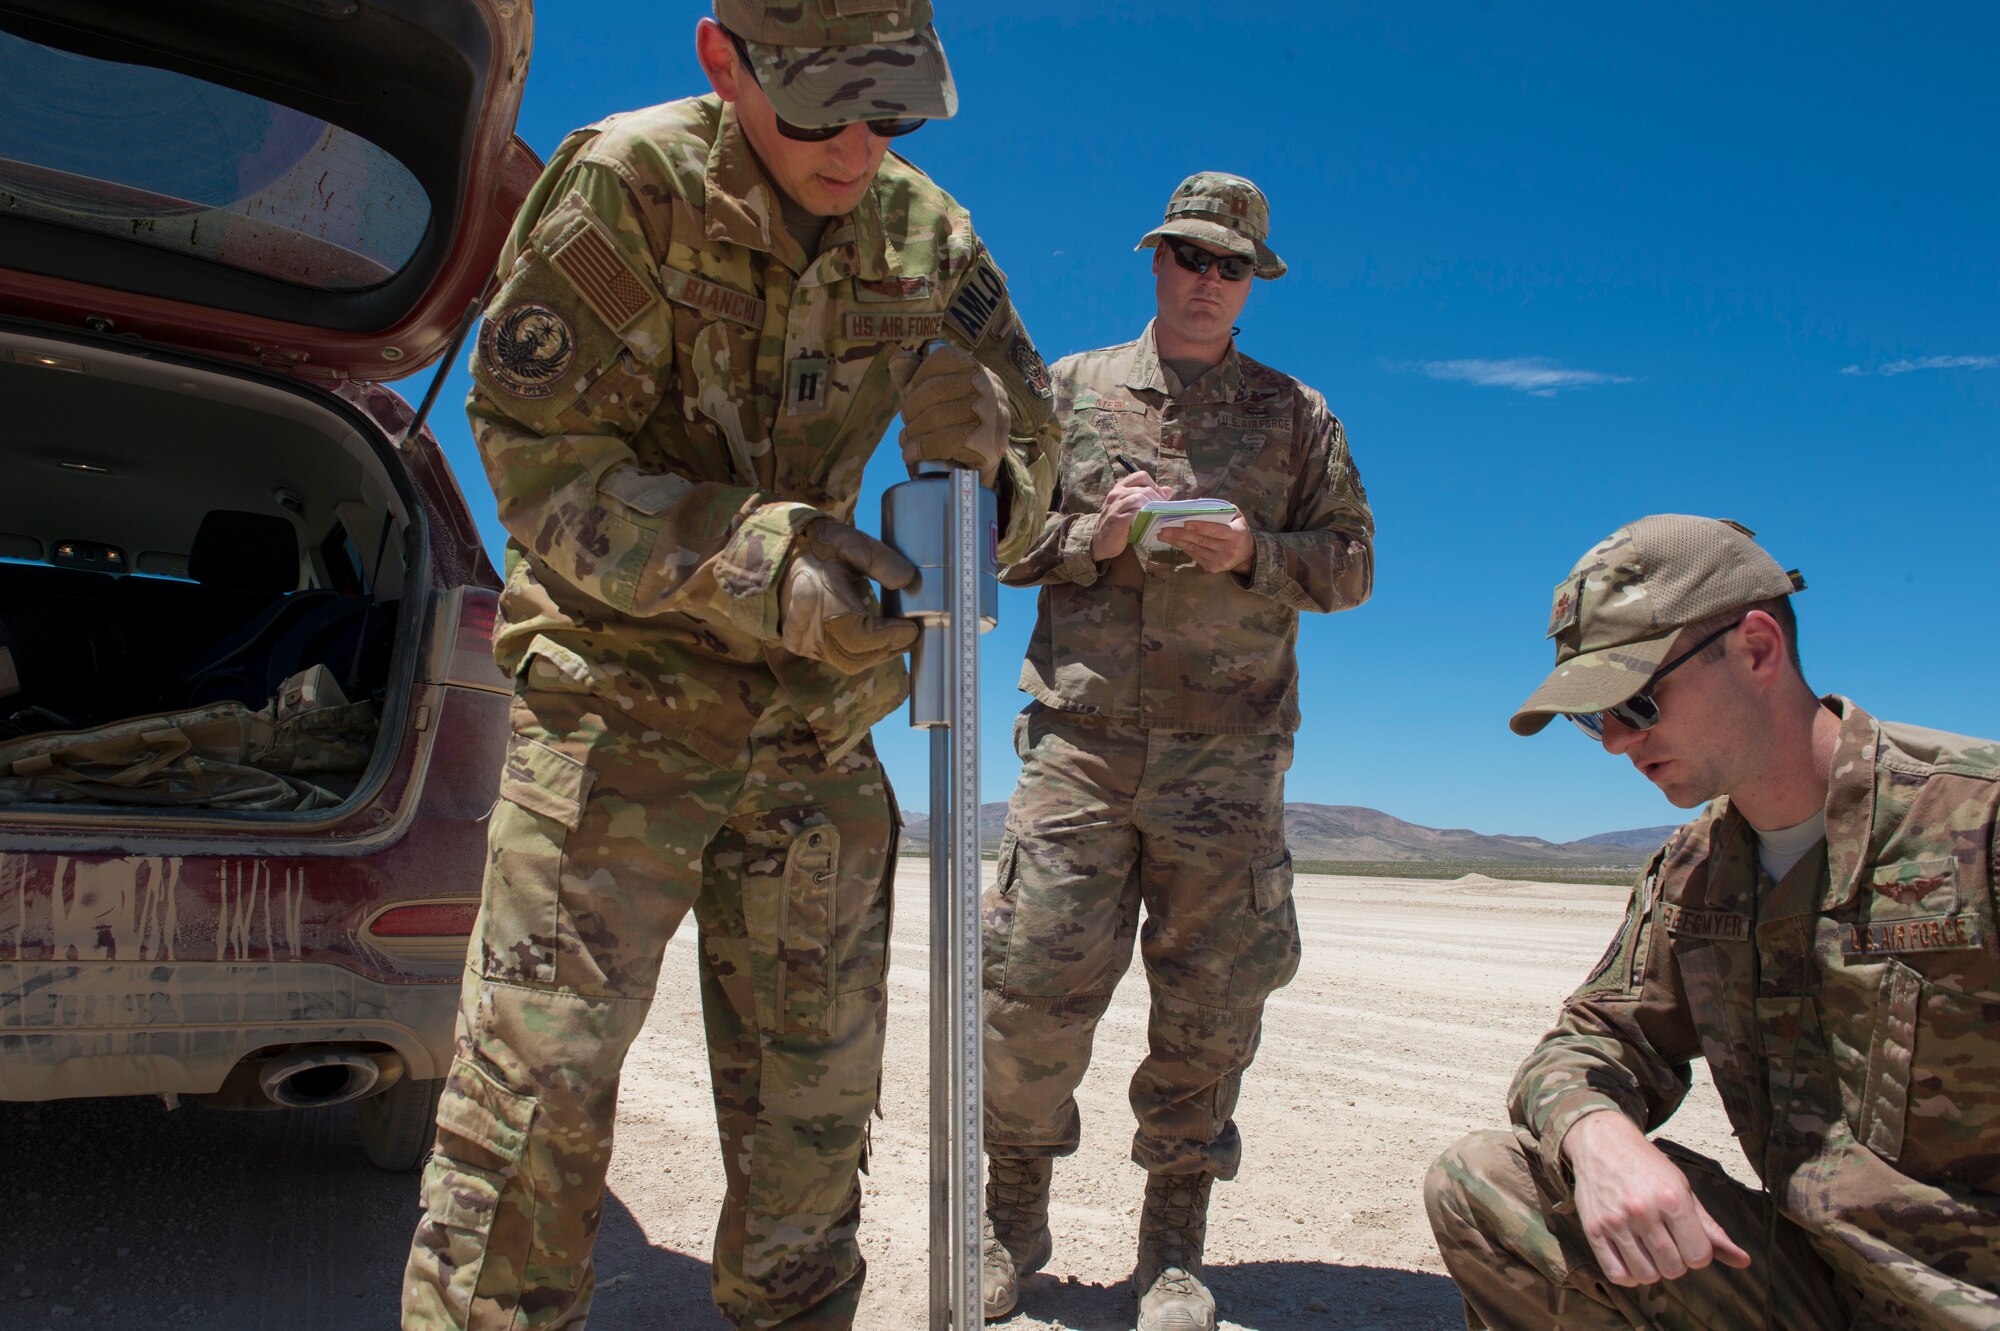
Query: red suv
(250, 724)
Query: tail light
(432, 919)
(424, 932)
(462, 640)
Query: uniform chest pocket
(1915, 908)
(1931, 1102)
(720, 386)
(1096, 432)
(1244, 455)
(1723, 1003)
(1112, 420)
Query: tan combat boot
(1172, 1230)
(1017, 1240)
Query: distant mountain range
(1352, 834)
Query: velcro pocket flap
(1271, 884)
(645, 492)
(543, 781)
(483, 1111)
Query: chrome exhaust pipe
(312, 1079)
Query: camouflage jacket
(1177, 647)
(667, 389)
(1850, 1016)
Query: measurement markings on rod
(965, 627)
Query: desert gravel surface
(1415, 1001)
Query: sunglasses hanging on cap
(1640, 711)
(1198, 260)
(887, 129)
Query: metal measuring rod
(946, 524)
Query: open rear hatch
(213, 572)
(318, 184)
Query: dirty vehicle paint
(183, 972)
(274, 955)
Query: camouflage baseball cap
(832, 62)
(1617, 612)
(1223, 212)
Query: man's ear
(1764, 647)
(717, 55)
(1159, 255)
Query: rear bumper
(147, 1028)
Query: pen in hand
(1126, 463)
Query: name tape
(708, 297)
(1720, 925)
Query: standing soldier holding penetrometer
(694, 351)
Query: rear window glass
(165, 160)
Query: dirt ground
(1414, 1003)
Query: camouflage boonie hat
(1222, 212)
(833, 62)
(1618, 611)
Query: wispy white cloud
(1896, 367)
(1536, 375)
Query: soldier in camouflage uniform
(1154, 754)
(1824, 934)
(709, 312)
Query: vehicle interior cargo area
(202, 579)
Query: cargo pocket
(542, 795)
(1271, 883)
(1005, 863)
(785, 957)
(997, 913)
(482, 1140)
(1269, 955)
(806, 962)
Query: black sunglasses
(1640, 711)
(887, 129)
(1198, 260)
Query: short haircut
(1778, 608)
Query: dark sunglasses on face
(887, 129)
(1640, 711)
(1198, 260)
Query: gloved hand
(822, 609)
(954, 410)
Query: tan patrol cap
(833, 62)
(1223, 212)
(1616, 614)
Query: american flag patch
(593, 265)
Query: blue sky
(1555, 267)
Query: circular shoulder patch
(1030, 363)
(525, 349)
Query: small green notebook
(1163, 514)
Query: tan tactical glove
(954, 410)
(822, 606)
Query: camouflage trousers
(1106, 818)
(606, 833)
(1521, 1259)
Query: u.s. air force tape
(863, 326)
(980, 296)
